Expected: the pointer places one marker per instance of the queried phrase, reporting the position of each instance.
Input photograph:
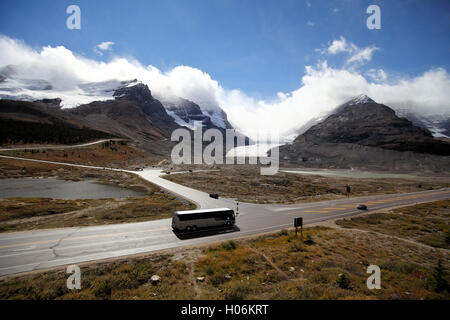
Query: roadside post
(298, 222)
(348, 189)
(237, 208)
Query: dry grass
(427, 223)
(109, 154)
(247, 184)
(261, 273)
(275, 266)
(28, 213)
(124, 280)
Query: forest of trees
(12, 132)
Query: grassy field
(427, 223)
(247, 184)
(111, 153)
(327, 264)
(18, 214)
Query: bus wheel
(188, 228)
(229, 223)
(194, 228)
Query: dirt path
(270, 262)
(189, 258)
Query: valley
(224, 159)
(325, 173)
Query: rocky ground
(245, 183)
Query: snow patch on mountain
(16, 87)
(185, 112)
(180, 121)
(216, 119)
(361, 99)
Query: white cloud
(340, 45)
(310, 24)
(362, 55)
(104, 46)
(377, 75)
(321, 88)
(357, 55)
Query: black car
(214, 195)
(362, 207)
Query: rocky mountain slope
(185, 112)
(363, 133)
(131, 113)
(438, 124)
(15, 84)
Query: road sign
(298, 222)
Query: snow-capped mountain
(186, 112)
(361, 99)
(15, 85)
(438, 125)
(367, 135)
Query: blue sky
(259, 47)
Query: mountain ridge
(364, 126)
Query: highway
(42, 249)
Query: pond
(62, 189)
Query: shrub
(217, 279)
(229, 245)
(343, 282)
(309, 240)
(236, 290)
(441, 283)
(297, 246)
(102, 289)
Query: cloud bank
(321, 88)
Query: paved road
(33, 250)
(60, 147)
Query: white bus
(191, 220)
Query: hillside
(132, 114)
(363, 133)
(28, 122)
(375, 125)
